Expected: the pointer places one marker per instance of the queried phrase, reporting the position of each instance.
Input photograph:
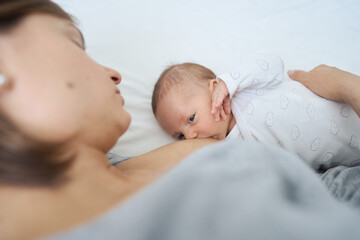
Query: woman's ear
(4, 82)
(2, 79)
(212, 85)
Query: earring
(2, 79)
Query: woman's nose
(114, 75)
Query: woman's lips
(117, 91)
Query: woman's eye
(80, 45)
(181, 136)
(191, 119)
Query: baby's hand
(220, 101)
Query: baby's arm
(254, 72)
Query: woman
(60, 113)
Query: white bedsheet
(140, 38)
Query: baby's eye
(191, 119)
(181, 136)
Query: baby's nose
(190, 133)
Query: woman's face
(54, 91)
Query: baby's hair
(176, 74)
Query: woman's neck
(94, 186)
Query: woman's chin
(124, 122)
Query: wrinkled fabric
(230, 190)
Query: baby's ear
(212, 85)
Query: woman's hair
(175, 75)
(13, 11)
(23, 160)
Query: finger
(215, 109)
(298, 75)
(215, 102)
(217, 116)
(222, 114)
(227, 109)
(227, 105)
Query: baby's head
(181, 102)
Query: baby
(254, 102)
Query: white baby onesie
(284, 112)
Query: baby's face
(185, 113)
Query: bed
(140, 38)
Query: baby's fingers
(222, 114)
(227, 105)
(217, 115)
(216, 103)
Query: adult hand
(220, 101)
(331, 83)
(325, 81)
